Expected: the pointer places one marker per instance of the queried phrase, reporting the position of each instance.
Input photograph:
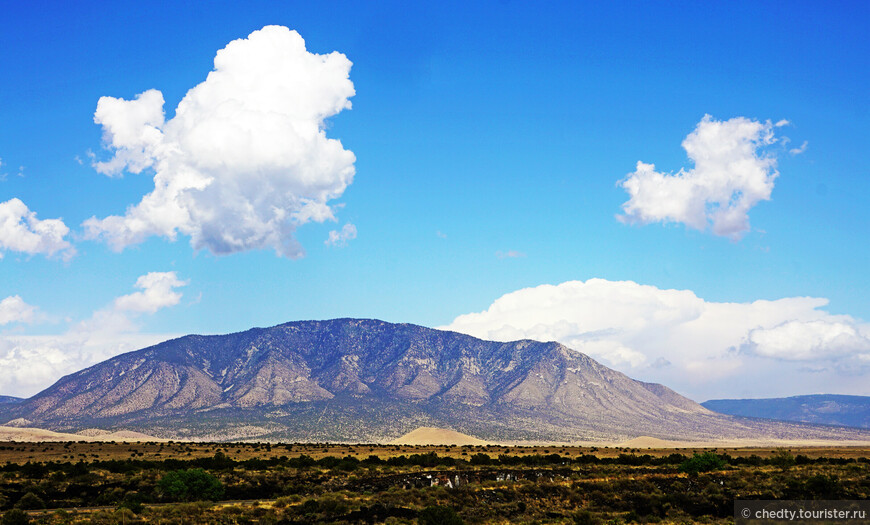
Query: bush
(823, 487)
(190, 485)
(584, 517)
(480, 459)
(439, 515)
(30, 501)
(15, 517)
(132, 502)
(702, 463)
(782, 459)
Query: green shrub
(132, 502)
(782, 459)
(702, 463)
(190, 485)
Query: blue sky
(490, 142)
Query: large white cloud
(702, 348)
(733, 172)
(13, 309)
(30, 363)
(21, 231)
(245, 160)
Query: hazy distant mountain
(825, 409)
(367, 380)
(9, 399)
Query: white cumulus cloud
(245, 160)
(133, 129)
(675, 337)
(30, 363)
(157, 292)
(13, 309)
(21, 231)
(341, 238)
(811, 340)
(732, 173)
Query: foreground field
(150, 482)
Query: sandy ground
(35, 435)
(443, 436)
(651, 442)
(436, 436)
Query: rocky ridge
(368, 380)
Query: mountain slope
(367, 380)
(827, 409)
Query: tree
(190, 485)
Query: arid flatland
(20, 453)
(295, 483)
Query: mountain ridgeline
(368, 380)
(827, 409)
(8, 400)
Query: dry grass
(17, 452)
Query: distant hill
(372, 381)
(436, 436)
(4, 400)
(827, 409)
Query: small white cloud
(732, 174)
(781, 123)
(801, 149)
(440, 234)
(157, 292)
(29, 364)
(245, 160)
(21, 231)
(510, 254)
(341, 238)
(13, 309)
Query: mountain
(4, 400)
(827, 409)
(367, 380)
